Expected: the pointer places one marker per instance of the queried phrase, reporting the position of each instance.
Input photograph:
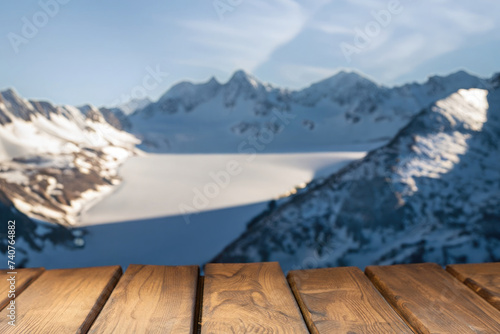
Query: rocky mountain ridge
(55, 160)
(346, 109)
(431, 194)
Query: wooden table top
(483, 278)
(253, 298)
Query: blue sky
(100, 51)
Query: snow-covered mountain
(133, 105)
(54, 160)
(244, 114)
(431, 194)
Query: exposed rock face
(116, 117)
(431, 194)
(55, 160)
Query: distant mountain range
(430, 188)
(342, 110)
(431, 194)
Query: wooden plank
(62, 301)
(483, 278)
(147, 299)
(23, 279)
(432, 301)
(249, 298)
(342, 300)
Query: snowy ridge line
(345, 109)
(448, 153)
(68, 157)
(44, 142)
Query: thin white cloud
(330, 28)
(286, 42)
(424, 31)
(247, 35)
(469, 22)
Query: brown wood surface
(23, 279)
(433, 301)
(62, 301)
(151, 299)
(343, 300)
(483, 278)
(249, 298)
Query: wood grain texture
(432, 301)
(343, 300)
(483, 278)
(62, 301)
(249, 298)
(151, 299)
(23, 279)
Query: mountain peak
(10, 93)
(450, 83)
(495, 80)
(91, 113)
(179, 89)
(459, 76)
(241, 77)
(347, 74)
(348, 78)
(342, 84)
(16, 101)
(188, 89)
(134, 104)
(86, 108)
(213, 81)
